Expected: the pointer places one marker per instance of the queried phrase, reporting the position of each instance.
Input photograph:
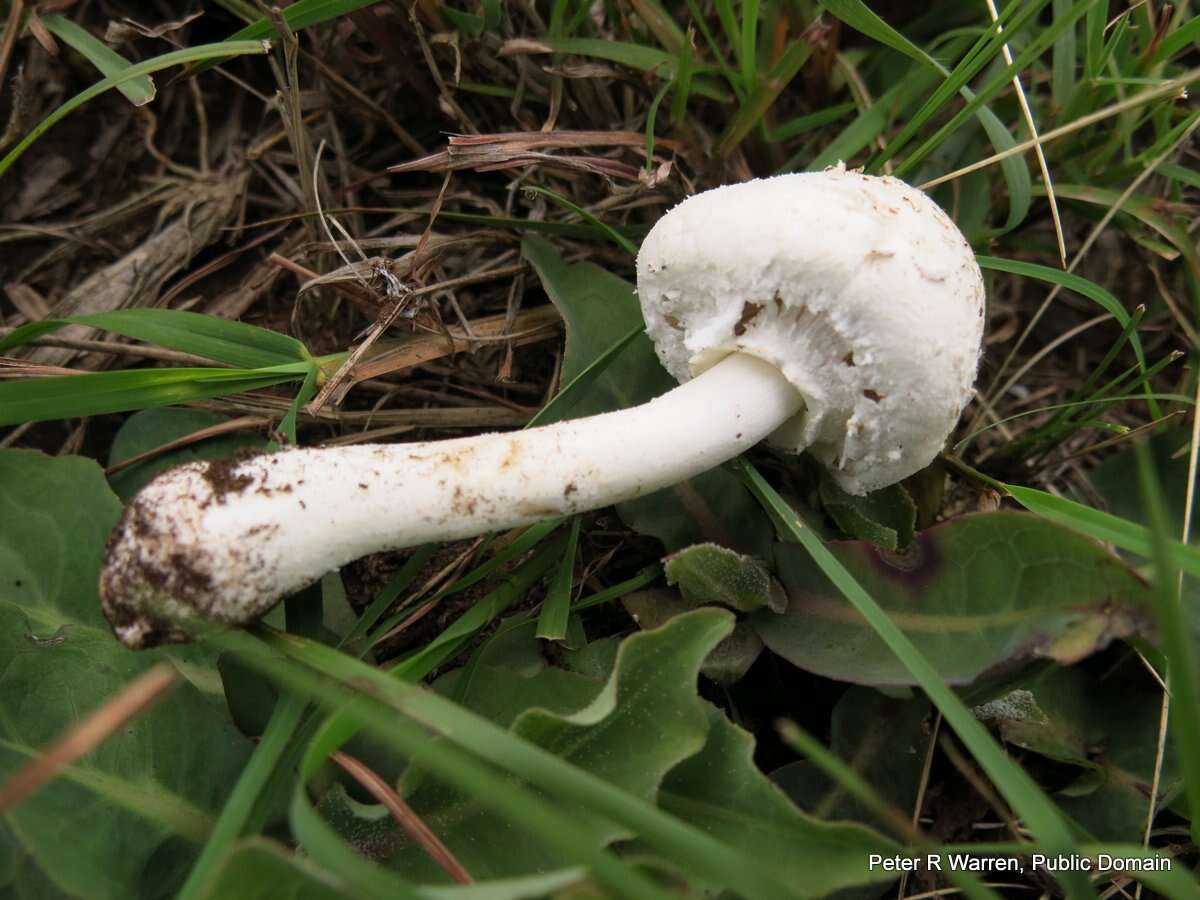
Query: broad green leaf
(616, 714)
(21, 878)
(561, 403)
(233, 343)
(152, 428)
(139, 91)
(642, 720)
(1099, 525)
(1013, 782)
(367, 827)
(260, 869)
(727, 662)
(478, 751)
(165, 773)
(722, 791)
(883, 739)
(600, 310)
(1101, 718)
(515, 677)
(978, 594)
(708, 573)
(886, 517)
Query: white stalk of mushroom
(835, 312)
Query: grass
(486, 681)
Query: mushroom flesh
(831, 311)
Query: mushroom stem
(228, 540)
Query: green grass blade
(999, 82)
(1180, 39)
(73, 396)
(1182, 174)
(1147, 210)
(651, 115)
(954, 81)
(139, 91)
(326, 847)
(1062, 62)
(729, 24)
(336, 681)
(846, 777)
(762, 96)
(749, 44)
(556, 608)
(685, 67)
(660, 23)
(870, 123)
(167, 60)
(1102, 526)
(1098, 371)
(560, 404)
(859, 16)
(1093, 40)
(233, 343)
(1067, 406)
(388, 595)
(635, 56)
(1018, 788)
(308, 389)
(810, 122)
(699, 20)
(1183, 669)
(611, 233)
(338, 729)
(647, 576)
(240, 802)
(1016, 172)
(299, 15)
(1071, 282)
(691, 848)
(485, 611)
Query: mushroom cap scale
(860, 289)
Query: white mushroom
(832, 311)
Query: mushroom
(835, 312)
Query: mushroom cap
(860, 289)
